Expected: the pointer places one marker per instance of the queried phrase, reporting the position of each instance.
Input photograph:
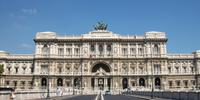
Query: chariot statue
(100, 26)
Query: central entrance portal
(101, 79)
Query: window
(100, 48)
(15, 84)
(184, 69)
(60, 51)
(7, 83)
(193, 82)
(59, 69)
(156, 49)
(92, 48)
(109, 48)
(169, 69)
(45, 50)
(192, 69)
(32, 69)
(44, 69)
(177, 69)
(178, 84)
(22, 84)
(185, 83)
(8, 68)
(133, 51)
(170, 84)
(157, 69)
(24, 69)
(68, 51)
(140, 51)
(124, 51)
(16, 69)
(77, 51)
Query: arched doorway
(99, 66)
(43, 82)
(157, 83)
(59, 82)
(141, 82)
(77, 82)
(101, 79)
(124, 83)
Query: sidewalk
(148, 98)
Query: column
(95, 83)
(72, 49)
(128, 49)
(136, 48)
(105, 83)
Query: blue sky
(21, 19)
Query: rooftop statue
(100, 26)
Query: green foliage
(1, 69)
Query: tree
(1, 71)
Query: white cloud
(26, 46)
(29, 11)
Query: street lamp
(48, 95)
(152, 86)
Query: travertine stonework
(101, 60)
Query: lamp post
(48, 95)
(152, 86)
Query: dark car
(107, 93)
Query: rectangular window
(61, 51)
(7, 83)
(177, 69)
(178, 84)
(77, 51)
(68, 51)
(184, 69)
(124, 51)
(192, 69)
(169, 70)
(170, 84)
(185, 83)
(140, 51)
(44, 69)
(157, 69)
(133, 51)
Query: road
(82, 97)
(120, 97)
(106, 97)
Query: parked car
(107, 93)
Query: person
(12, 96)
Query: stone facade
(101, 60)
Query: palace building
(101, 60)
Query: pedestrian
(12, 95)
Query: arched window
(109, 48)
(100, 48)
(156, 49)
(76, 82)
(45, 50)
(125, 83)
(43, 82)
(92, 48)
(141, 82)
(60, 82)
(157, 83)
